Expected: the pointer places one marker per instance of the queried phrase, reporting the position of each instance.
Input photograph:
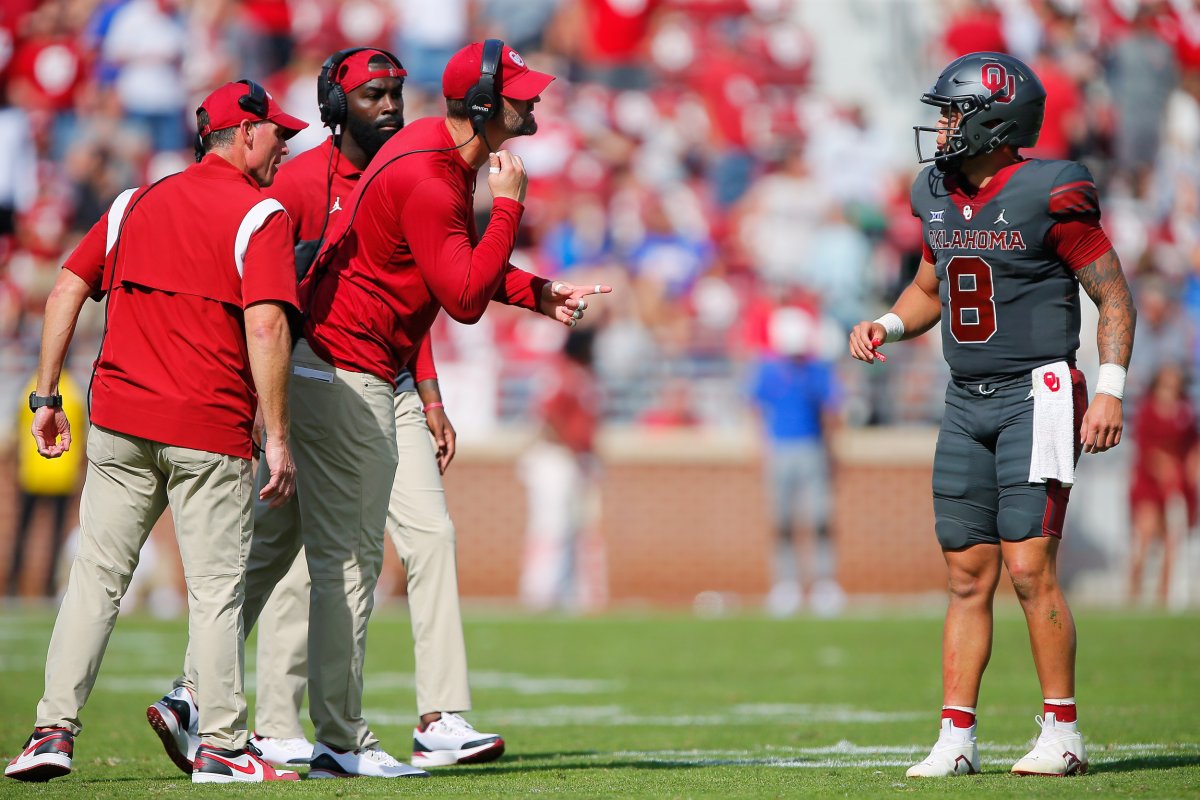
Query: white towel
(1054, 433)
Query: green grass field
(671, 706)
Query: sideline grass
(666, 706)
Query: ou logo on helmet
(996, 79)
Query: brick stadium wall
(681, 513)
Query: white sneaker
(1058, 751)
(784, 600)
(330, 763)
(827, 598)
(452, 740)
(954, 754)
(176, 720)
(283, 752)
(214, 765)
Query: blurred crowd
(713, 160)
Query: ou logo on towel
(1051, 381)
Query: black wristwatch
(36, 401)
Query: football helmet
(998, 101)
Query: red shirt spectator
(976, 29)
(47, 72)
(616, 28)
(182, 286)
(1064, 102)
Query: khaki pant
(130, 481)
(423, 535)
(424, 538)
(344, 441)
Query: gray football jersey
(1009, 303)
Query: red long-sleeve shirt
(412, 249)
(315, 189)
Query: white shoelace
(294, 745)
(455, 724)
(380, 757)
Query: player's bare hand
(865, 339)
(506, 175)
(1102, 424)
(282, 485)
(564, 301)
(444, 436)
(52, 431)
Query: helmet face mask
(989, 100)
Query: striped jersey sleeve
(1073, 194)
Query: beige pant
(130, 481)
(424, 537)
(344, 441)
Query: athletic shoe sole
(47, 766)
(1081, 770)
(209, 777)
(165, 733)
(448, 758)
(320, 774)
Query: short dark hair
(456, 108)
(222, 138)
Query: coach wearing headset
(360, 94)
(406, 249)
(197, 272)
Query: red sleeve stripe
(1075, 185)
(1075, 198)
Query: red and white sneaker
(176, 720)
(452, 740)
(955, 753)
(214, 765)
(46, 754)
(1058, 751)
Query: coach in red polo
(196, 272)
(404, 248)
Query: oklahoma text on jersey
(976, 240)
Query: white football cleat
(954, 754)
(176, 720)
(1058, 751)
(283, 752)
(330, 763)
(214, 765)
(452, 740)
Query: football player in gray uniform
(1007, 243)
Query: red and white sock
(959, 716)
(1063, 709)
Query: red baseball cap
(513, 78)
(228, 106)
(356, 70)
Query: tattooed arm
(1105, 284)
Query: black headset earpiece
(255, 101)
(331, 97)
(481, 100)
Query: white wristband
(1111, 380)
(893, 327)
